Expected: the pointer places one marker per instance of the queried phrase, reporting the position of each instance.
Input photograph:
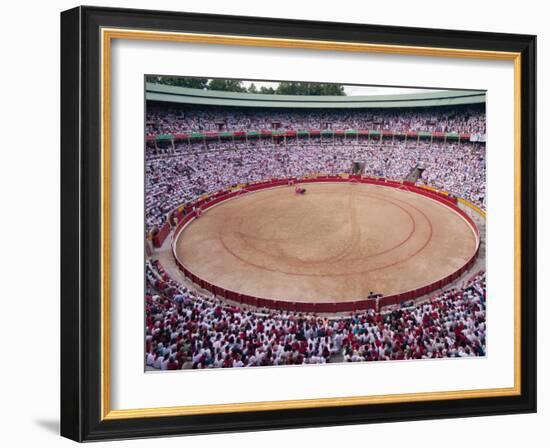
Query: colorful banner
(315, 133)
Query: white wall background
(29, 104)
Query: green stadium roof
(183, 95)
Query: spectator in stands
(202, 332)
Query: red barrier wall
(161, 235)
(363, 304)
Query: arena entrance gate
(358, 167)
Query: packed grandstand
(196, 150)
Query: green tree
(227, 85)
(267, 90)
(233, 85)
(288, 88)
(193, 83)
(310, 88)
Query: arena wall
(160, 236)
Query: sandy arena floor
(336, 243)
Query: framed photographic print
(276, 224)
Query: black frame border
(81, 223)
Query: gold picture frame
(108, 30)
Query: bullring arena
(303, 229)
(340, 242)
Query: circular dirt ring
(337, 243)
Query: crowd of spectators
(182, 119)
(196, 169)
(185, 329)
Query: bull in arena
(300, 190)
